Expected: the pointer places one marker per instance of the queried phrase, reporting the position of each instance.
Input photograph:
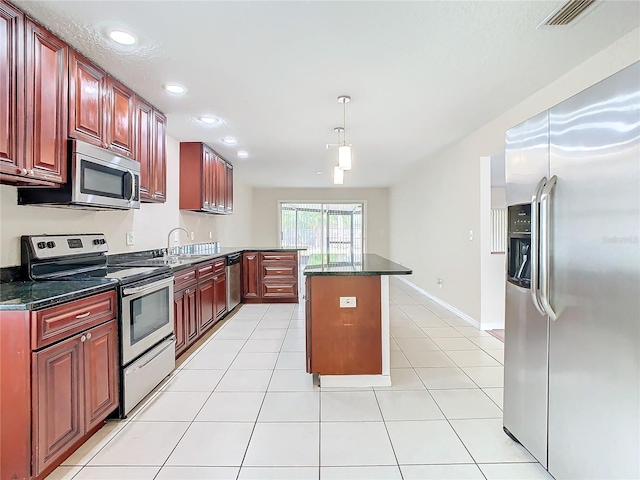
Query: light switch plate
(131, 239)
(347, 302)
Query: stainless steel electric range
(147, 341)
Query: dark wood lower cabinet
(100, 373)
(200, 305)
(59, 414)
(185, 318)
(270, 277)
(76, 388)
(206, 302)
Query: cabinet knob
(24, 171)
(88, 336)
(31, 172)
(83, 338)
(187, 291)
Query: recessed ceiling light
(229, 140)
(209, 120)
(175, 88)
(123, 38)
(243, 154)
(318, 173)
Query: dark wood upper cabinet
(144, 146)
(121, 118)
(205, 180)
(228, 205)
(102, 111)
(159, 158)
(11, 89)
(87, 92)
(46, 104)
(151, 151)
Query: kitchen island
(347, 320)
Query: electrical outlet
(210, 235)
(439, 282)
(192, 235)
(470, 234)
(131, 239)
(347, 302)
(175, 236)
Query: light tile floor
(242, 407)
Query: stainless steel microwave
(97, 179)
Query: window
(332, 229)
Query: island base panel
(344, 341)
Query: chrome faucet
(169, 238)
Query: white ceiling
(421, 74)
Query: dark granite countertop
(367, 264)
(184, 261)
(29, 295)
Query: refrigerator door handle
(534, 254)
(545, 213)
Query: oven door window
(148, 314)
(103, 181)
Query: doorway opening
(334, 230)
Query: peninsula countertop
(367, 264)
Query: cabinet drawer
(277, 271)
(280, 290)
(205, 270)
(280, 256)
(219, 266)
(184, 278)
(56, 323)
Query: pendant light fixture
(338, 176)
(344, 150)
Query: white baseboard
(492, 326)
(451, 308)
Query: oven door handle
(156, 355)
(148, 287)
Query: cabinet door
(58, 414)
(206, 304)
(191, 313)
(250, 275)
(179, 318)
(47, 104)
(207, 176)
(221, 185)
(100, 373)
(220, 286)
(144, 147)
(86, 100)
(121, 118)
(159, 157)
(11, 89)
(229, 199)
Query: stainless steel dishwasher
(233, 280)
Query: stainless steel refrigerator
(572, 339)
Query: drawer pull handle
(279, 289)
(206, 268)
(83, 315)
(88, 336)
(83, 338)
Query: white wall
(433, 209)
(265, 212)
(150, 224)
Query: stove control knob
(102, 241)
(42, 245)
(96, 241)
(51, 244)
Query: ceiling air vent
(568, 13)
